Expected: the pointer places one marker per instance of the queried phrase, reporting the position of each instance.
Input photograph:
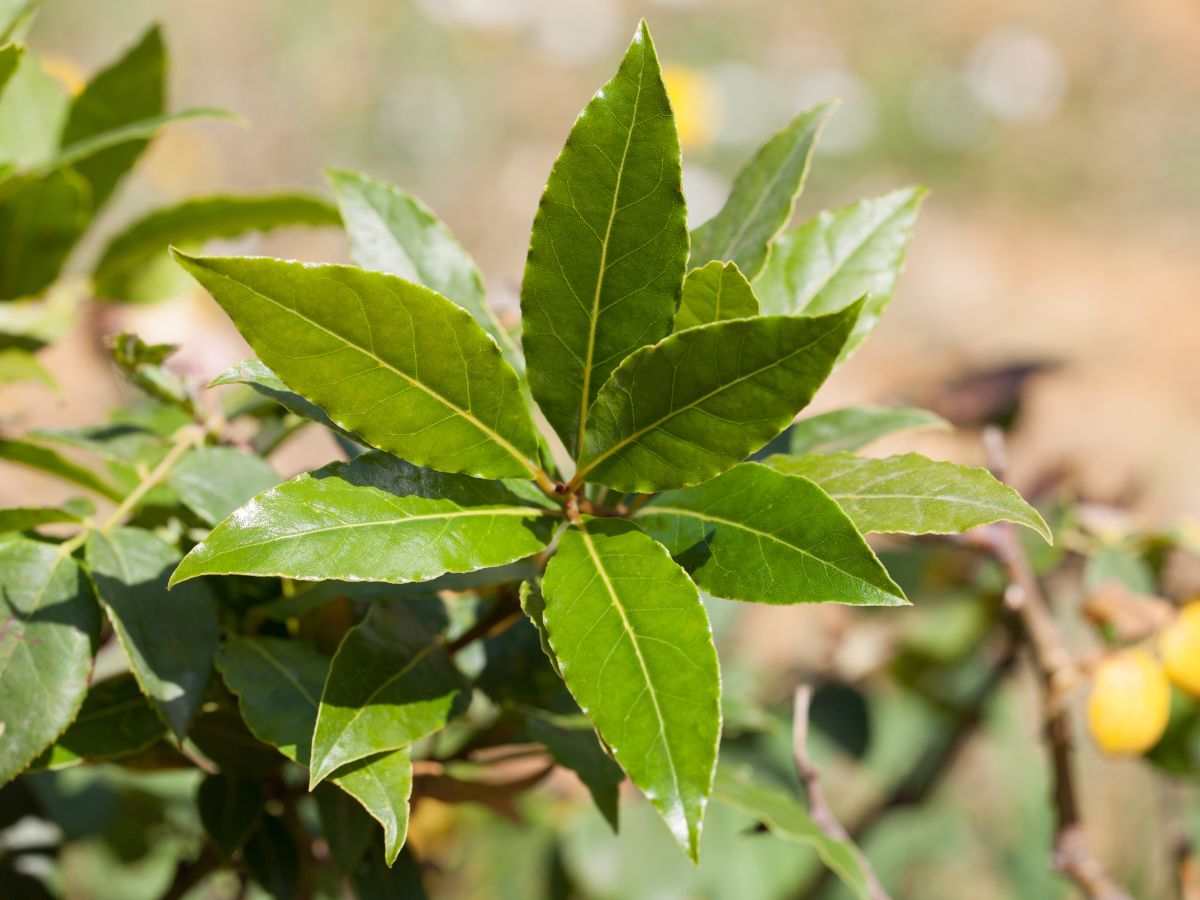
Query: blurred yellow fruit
(1130, 703)
(66, 73)
(1179, 645)
(694, 101)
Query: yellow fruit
(1179, 645)
(1130, 703)
(694, 102)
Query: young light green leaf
(21, 365)
(394, 232)
(634, 645)
(840, 255)
(10, 58)
(856, 426)
(785, 816)
(40, 221)
(33, 108)
(129, 90)
(377, 518)
(43, 458)
(391, 683)
(912, 494)
(49, 629)
(713, 293)
(702, 400)
(115, 720)
(170, 638)
(14, 14)
(199, 219)
(609, 243)
(392, 361)
(804, 548)
(278, 683)
(22, 518)
(231, 809)
(572, 742)
(214, 481)
(763, 195)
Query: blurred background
(1061, 241)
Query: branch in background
(1057, 673)
(818, 806)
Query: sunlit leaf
(713, 293)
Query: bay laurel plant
(569, 496)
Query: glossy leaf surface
(634, 645)
(755, 534)
(609, 245)
(374, 519)
(704, 399)
(392, 361)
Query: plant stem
(504, 612)
(184, 439)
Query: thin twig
(185, 438)
(503, 613)
(818, 806)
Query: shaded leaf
(22, 518)
(837, 257)
(702, 400)
(231, 810)
(115, 720)
(713, 293)
(855, 427)
(377, 518)
(43, 458)
(634, 645)
(170, 638)
(387, 359)
(572, 742)
(533, 604)
(391, 683)
(40, 221)
(756, 534)
(196, 219)
(10, 58)
(254, 374)
(783, 813)
(142, 365)
(763, 195)
(214, 481)
(273, 858)
(49, 628)
(912, 494)
(609, 243)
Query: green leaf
(115, 720)
(785, 816)
(857, 426)
(10, 58)
(572, 742)
(273, 858)
(22, 518)
(214, 481)
(704, 399)
(33, 108)
(387, 359)
(391, 683)
(14, 14)
(912, 494)
(837, 257)
(194, 220)
(377, 518)
(49, 630)
(127, 91)
(394, 232)
(40, 221)
(231, 809)
(21, 365)
(278, 683)
(142, 365)
(635, 648)
(713, 293)
(763, 195)
(533, 604)
(254, 374)
(37, 456)
(609, 243)
(170, 638)
(756, 534)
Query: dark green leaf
(199, 219)
(572, 742)
(387, 359)
(855, 427)
(756, 534)
(391, 683)
(374, 519)
(609, 244)
(47, 460)
(10, 58)
(170, 638)
(231, 809)
(40, 221)
(115, 720)
(912, 494)
(716, 292)
(691, 406)
(127, 91)
(394, 232)
(49, 628)
(22, 518)
(356, 852)
(634, 645)
(837, 257)
(214, 481)
(273, 858)
(784, 814)
(763, 195)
